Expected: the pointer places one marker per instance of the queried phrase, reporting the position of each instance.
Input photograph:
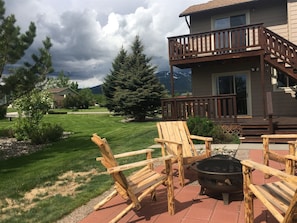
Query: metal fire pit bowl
(219, 174)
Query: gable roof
(213, 4)
(57, 90)
(61, 90)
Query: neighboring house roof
(60, 90)
(57, 90)
(212, 5)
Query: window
(226, 39)
(228, 22)
(282, 80)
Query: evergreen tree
(29, 76)
(110, 81)
(138, 92)
(12, 43)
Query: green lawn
(77, 153)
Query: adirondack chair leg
(105, 200)
(248, 199)
(170, 188)
(123, 213)
(290, 164)
(181, 171)
(266, 155)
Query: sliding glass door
(230, 39)
(234, 84)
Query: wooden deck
(222, 110)
(253, 128)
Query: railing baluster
(213, 107)
(222, 41)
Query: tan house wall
(274, 17)
(292, 20)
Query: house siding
(292, 20)
(200, 24)
(277, 23)
(202, 77)
(282, 103)
(278, 16)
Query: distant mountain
(182, 82)
(97, 89)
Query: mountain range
(182, 82)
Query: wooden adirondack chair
(279, 197)
(175, 139)
(271, 155)
(138, 185)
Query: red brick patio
(190, 206)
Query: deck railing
(224, 41)
(221, 107)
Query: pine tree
(110, 81)
(12, 43)
(29, 76)
(138, 92)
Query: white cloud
(87, 35)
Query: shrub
(206, 127)
(52, 112)
(34, 105)
(6, 132)
(45, 133)
(3, 111)
(200, 126)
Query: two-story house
(243, 57)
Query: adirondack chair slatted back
(177, 131)
(175, 139)
(109, 161)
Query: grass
(76, 153)
(90, 109)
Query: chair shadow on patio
(265, 215)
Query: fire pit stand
(219, 174)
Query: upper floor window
(285, 80)
(230, 21)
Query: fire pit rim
(214, 158)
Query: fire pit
(219, 174)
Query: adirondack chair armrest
(291, 157)
(161, 141)
(138, 164)
(127, 154)
(133, 153)
(203, 138)
(269, 170)
(279, 136)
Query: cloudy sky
(88, 34)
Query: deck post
(172, 81)
(262, 69)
